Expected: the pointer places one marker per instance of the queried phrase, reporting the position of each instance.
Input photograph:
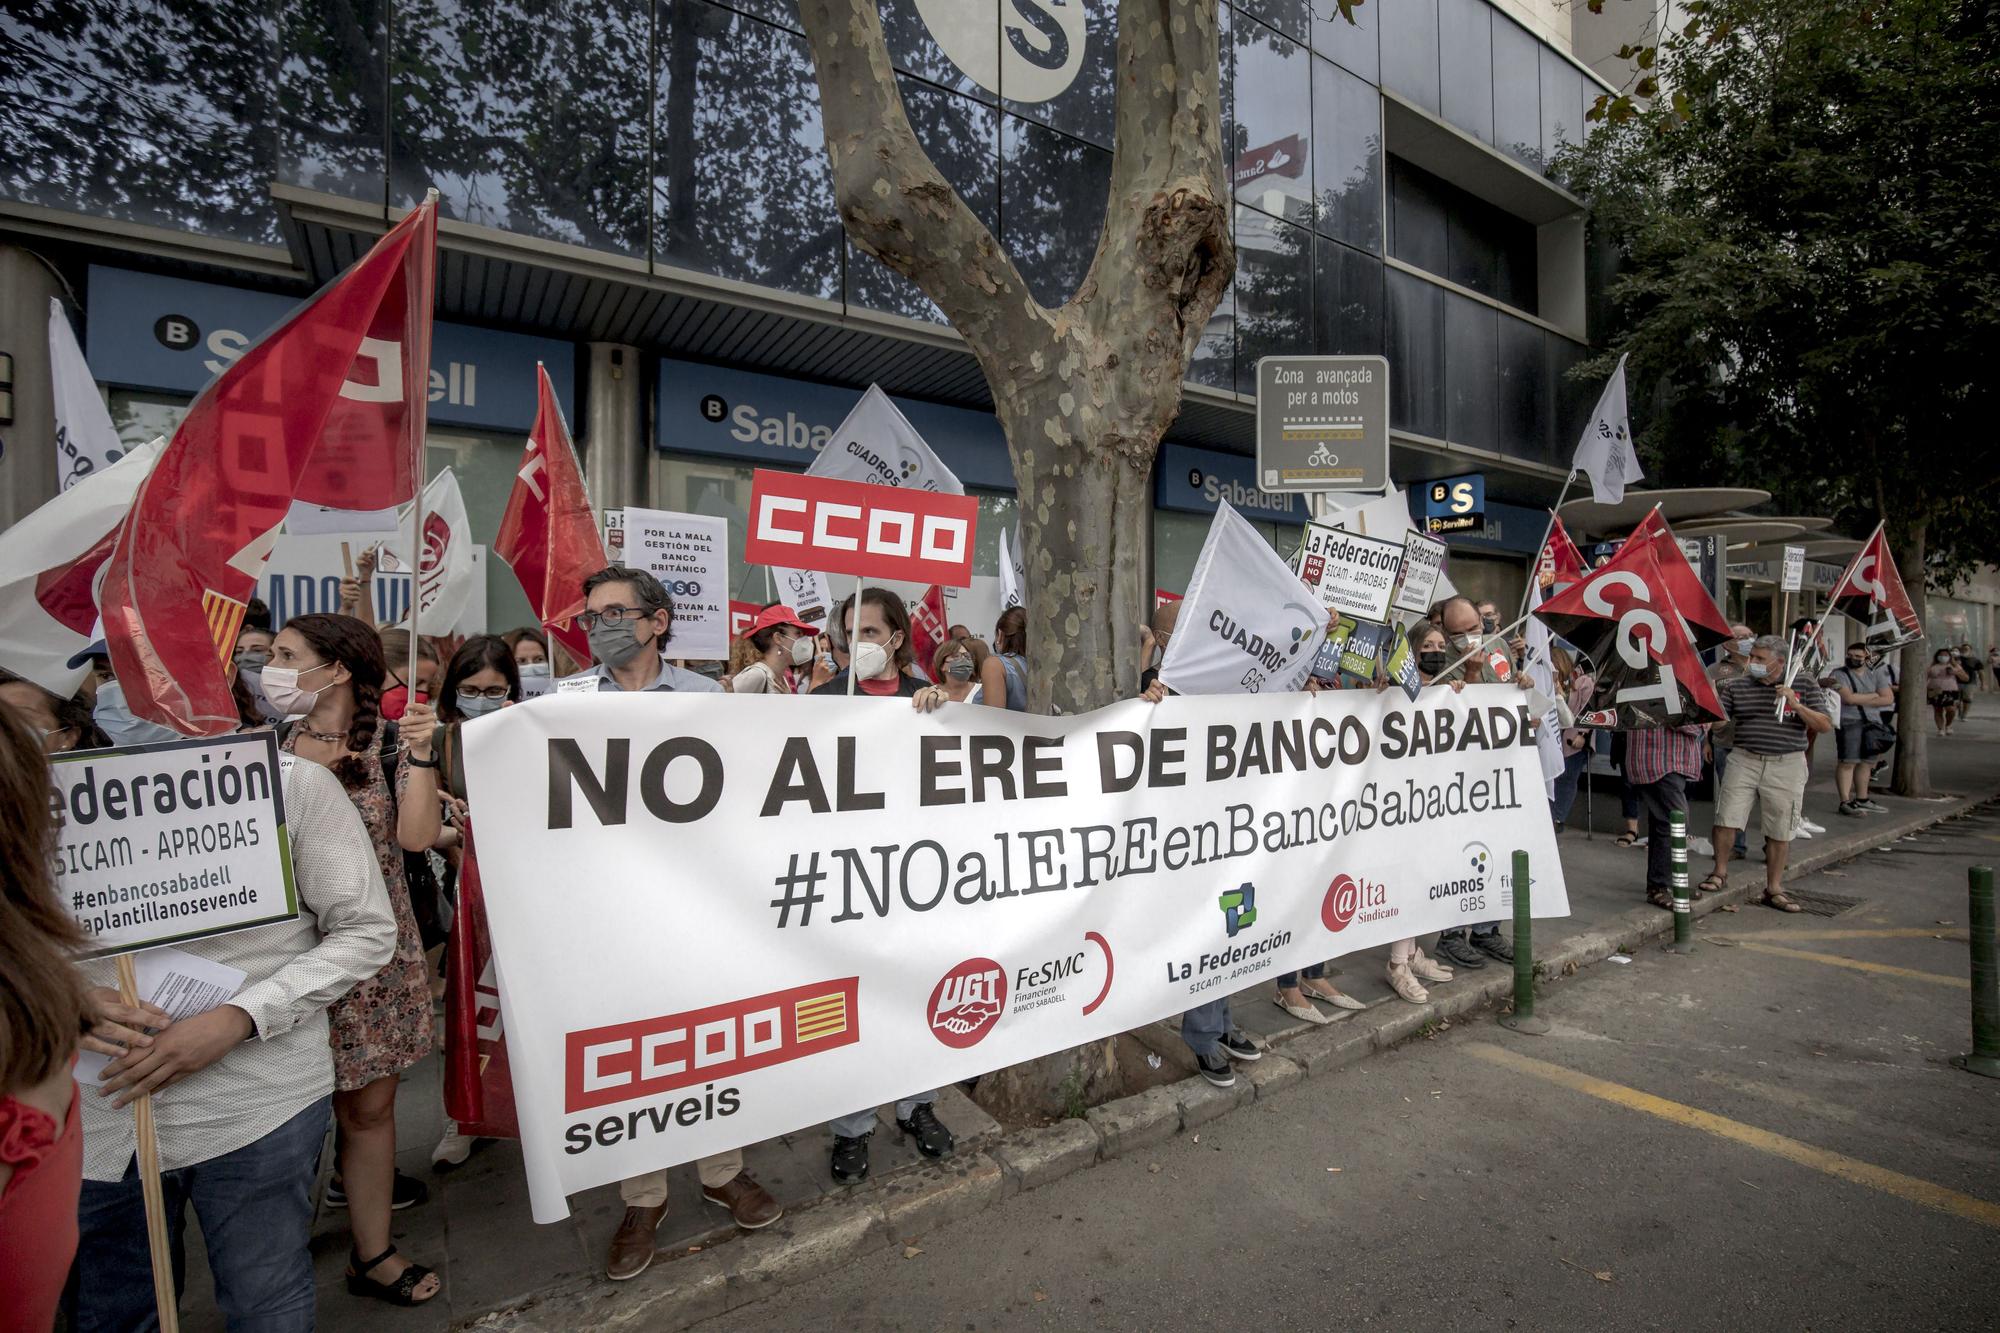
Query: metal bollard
(1523, 1018)
(1984, 1057)
(1683, 941)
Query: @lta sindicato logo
(1033, 53)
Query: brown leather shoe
(748, 1202)
(632, 1245)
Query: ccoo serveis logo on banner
(1032, 54)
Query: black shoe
(1870, 807)
(1238, 1046)
(1454, 949)
(850, 1158)
(1216, 1069)
(1494, 945)
(933, 1139)
(1852, 809)
(409, 1192)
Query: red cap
(777, 615)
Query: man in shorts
(1768, 763)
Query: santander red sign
(851, 527)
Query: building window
(1053, 194)
(1410, 50)
(1178, 538)
(1443, 230)
(1274, 282)
(1347, 156)
(1347, 302)
(1273, 123)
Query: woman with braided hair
(325, 676)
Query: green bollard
(1523, 1018)
(1985, 1055)
(1683, 941)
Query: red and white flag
(49, 564)
(549, 535)
(327, 408)
(929, 626)
(1871, 591)
(1648, 672)
(1707, 626)
(1560, 563)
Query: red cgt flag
(1648, 672)
(1871, 591)
(1561, 563)
(1707, 626)
(549, 536)
(328, 408)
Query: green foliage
(1809, 288)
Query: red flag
(1871, 591)
(548, 535)
(1647, 669)
(1560, 563)
(328, 407)
(928, 626)
(478, 1081)
(1706, 623)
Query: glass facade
(686, 134)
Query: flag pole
(1548, 531)
(854, 620)
(419, 410)
(147, 1155)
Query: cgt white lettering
(1634, 618)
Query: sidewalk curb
(687, 1289)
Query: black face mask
(1431, 663)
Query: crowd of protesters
(341, 1001)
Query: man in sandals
(1768, 763)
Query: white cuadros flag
(1013, 570)
(1247, 625)
(86, 444)
(445, 583)
(49, 567)
(877, 444)
(1605, 452)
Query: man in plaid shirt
(1659, 763)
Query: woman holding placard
(325, 676)
(1410, 966)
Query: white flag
(445, 581)
(1247, 625)
(1540, 664)
(1013, 570)
(49, 567)
(1605, 451)
(877, 444)
(85, 442)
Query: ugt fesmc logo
(967, 1002)
(625, 1061)
(851, 527)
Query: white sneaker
(1811, 827)
(1406, 985)
(452, 1149)
(1428, 968)
(1801, 832)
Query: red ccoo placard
(851, 527)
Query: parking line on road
(1837, 1165)
(1855, 964)
(1889, 933)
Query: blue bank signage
(770, 419)
(148, 331)
(1455, 504)
(1195, 481)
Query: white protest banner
(86, 443)
(446, 579)
(1247, 623)
(1423, 563)
(878, 445)
(1353, 575)
(881, 902)
(1795, 569)
(806, 591)
(171, 842)
(689, 555)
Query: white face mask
(1743, 646)
(870, 659)
(1757, 669)
(802, 651)
(534, 670)
(282, 692)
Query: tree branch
(893, 200)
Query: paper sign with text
(1353, 575)
(851, 527)
(689, 555)
(172, 842)
(1423, 564)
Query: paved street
(1760, 1135)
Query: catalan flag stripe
(821, 1016)
(225, 617)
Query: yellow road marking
(1834, 1164)
(1894, 933)
(1855, 964)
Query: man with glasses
(630, 619)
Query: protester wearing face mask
(62, 724)
(1722, 735)
(531, 655)
(326, 673)
(396, 694)
(1768, 766)
(1577, 685)
(1942, 682)
(630, 618)
(1409, 966)
(1010, 650)
(480, 679)
(878, 634)
(1464, 632)
(957, 666)
(775, 646)
(1864, 691)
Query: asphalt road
(1766, 1133)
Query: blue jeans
(1566, 784)
(854, 1126)
(255, 1208)
(1204, 1026)
(1290, 979)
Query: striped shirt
(345, 932)
(1753, 706)
(1653, 752)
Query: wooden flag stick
(164, 1297)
